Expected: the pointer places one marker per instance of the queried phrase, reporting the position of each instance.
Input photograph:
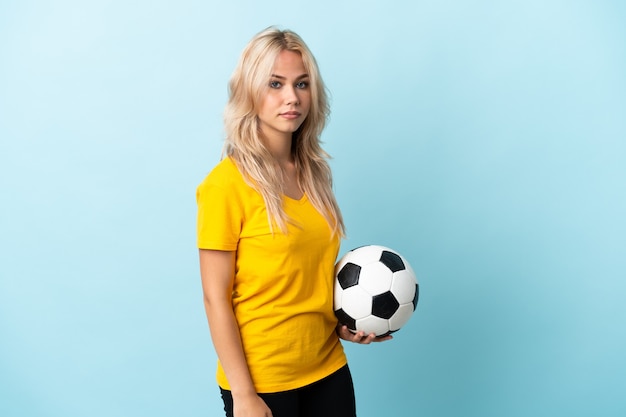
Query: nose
(291, 95)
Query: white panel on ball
(365, 254)
(401, 316)
(356, 302)
(373, 324)
(375, 278)
(403, 286)
(338, 295)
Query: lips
(290, 114)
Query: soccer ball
(376, 290)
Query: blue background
(483, 140)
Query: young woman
(269, 230)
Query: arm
(217, 269)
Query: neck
(280, 148)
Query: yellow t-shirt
(283, 287)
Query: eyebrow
(280, 77)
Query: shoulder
(224, 175)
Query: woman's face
(287, 101)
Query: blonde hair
(247, 86)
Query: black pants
(332, 396)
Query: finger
(358, 337)
(348, 334)
(364, 339)
(345, 333)
(383, 339)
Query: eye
(302, 85)
(275, 84)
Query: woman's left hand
(359, 337)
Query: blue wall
(484, 140)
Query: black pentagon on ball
(384, 305)
(416, 296)
(392, 261)
(348, 276)
(344, 318)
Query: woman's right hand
(250, 405)
(359, 337)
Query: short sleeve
(220, 217)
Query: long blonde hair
(247, 86)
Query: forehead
(289, 63)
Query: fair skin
(281, 112)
